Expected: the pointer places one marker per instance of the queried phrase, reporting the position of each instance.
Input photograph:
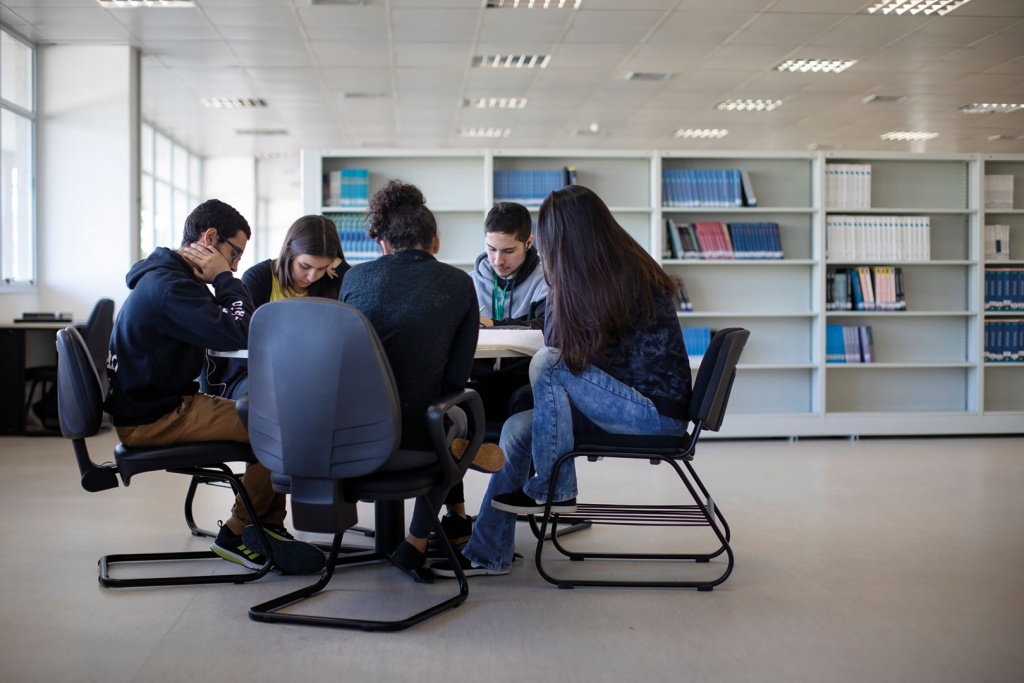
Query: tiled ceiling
(395, 73)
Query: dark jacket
(427, 318)
(162, 332)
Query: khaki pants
(201, 417)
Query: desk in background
(16, 341)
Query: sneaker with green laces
(290, 555)
(234, 549)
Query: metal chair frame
(710, 398)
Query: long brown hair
(314, 236)
(602, 283)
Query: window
(170, 190)
(17, 175)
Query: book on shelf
(838, 294)
(848, 186)
(1004, 340)
(696, 340)
(530, 188)
(347, 188)
(706, 188)
(864, 288)
(683, 302)
(355, 244)
(674, 241)
(997, 242)
(849, 344)
(1004, 289)
(998, 191)
(871, 238)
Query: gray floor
(871, 560)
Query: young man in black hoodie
(157, 351)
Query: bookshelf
(929, 374)
(1003, 382)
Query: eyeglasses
(236, 253)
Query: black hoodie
(161, 335)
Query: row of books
(1004, 289)
(714, 240)
(696, 340)
(997, 242)
(998, 191)
(848, 186)
(530, 187)
(706, 188)
(877, 238)
(355, 244)
(849, 344)
(1004, 340)
(864, 288)
(683, 303)
(347, 187)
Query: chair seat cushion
(659, 444)
(132, 461)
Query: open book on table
(518, 340)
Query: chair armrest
(473, 406)
(242, 408)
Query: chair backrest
(79, 396)
(320, 391)
(713, 383)
(97, 333)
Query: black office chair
(97, 339)
(323, 411)
(81, 413)
(711, 390)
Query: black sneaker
(411, 561)
(233, 549)
(444, 569)
(522, 504)
(290, 556)
(457, 528)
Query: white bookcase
(929, 377)
(1003, 383)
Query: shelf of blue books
(780, 181)
(621, 179)
(915, 338)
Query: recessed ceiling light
(495, 102)
(233, 102)
(701, 133)
(261, 131)
(939, 7)
(984, 108)
(823, 146)
(530, 4)
(133, 4)
(816, 65)
(648, 76)
(993, 138)
(908, 135)
(513, 61)
(485, 132)
(748, 105)
(278, 154)
(894, 99)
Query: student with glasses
(157, 351)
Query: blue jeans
(564, 403)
